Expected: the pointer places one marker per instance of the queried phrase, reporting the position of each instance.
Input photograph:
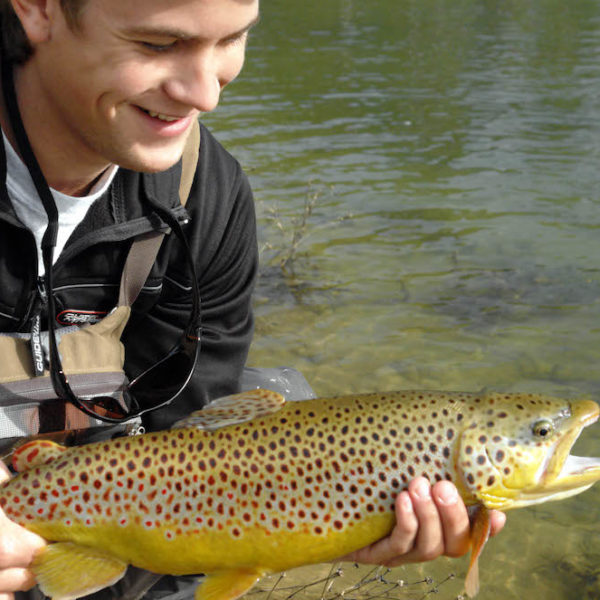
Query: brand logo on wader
(80, 317)
(36, 347)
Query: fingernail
(447, 494)
(422, 489)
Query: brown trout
(251, 485)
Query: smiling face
(125, 86)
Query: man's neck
(62, 172)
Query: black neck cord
(43, 190)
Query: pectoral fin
(65, 571)
(480, 532)
(232, 410)
(226, 585)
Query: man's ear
(35, 18)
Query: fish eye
(543, 428)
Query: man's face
(125, 87)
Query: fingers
(429, 541)
(430, 522)
(15, 579)
(443, 522)
(17, 545)
(498, 521)
(454, 519)
(4, 475)
(398, 543)
(402, 538)
(17, 549)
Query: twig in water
(276, 584)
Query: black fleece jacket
(221, 232)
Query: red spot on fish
(32, 455)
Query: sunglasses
(154, 388)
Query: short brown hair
(15, 45)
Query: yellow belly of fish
(205, 551)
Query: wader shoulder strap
(144, 249)
(189, 161)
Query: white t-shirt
(29, 207)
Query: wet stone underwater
(425, 175)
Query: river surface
(426, 182)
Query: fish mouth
(565, 475)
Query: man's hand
(430, 522)
(17, 547)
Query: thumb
(17, 544)
(4, 472)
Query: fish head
(515, 450)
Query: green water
(426, 185)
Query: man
(108, 91)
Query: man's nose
(196, 83)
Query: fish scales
(306, 483)
(300, 471)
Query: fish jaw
(566, 475)
(513, 467)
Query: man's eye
(235, 40)
(158, 47)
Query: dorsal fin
(233, 410)
(34, 454)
